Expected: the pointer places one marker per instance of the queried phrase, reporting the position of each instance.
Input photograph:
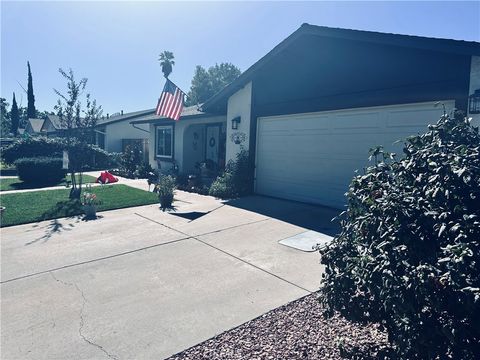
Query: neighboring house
(34, 126)
(52, 125)
(313, 106)
(196, 138)
(115, 132)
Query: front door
(212, 143)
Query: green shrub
(165, 190)
(32, 147)
(144, 170)
(409, 251)
(40, 170)
(83, 156)
(236, 180)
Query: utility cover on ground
(307, 240)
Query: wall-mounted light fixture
(474, 102)
(235, 122)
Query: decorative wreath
(238, 137)
(212, 142)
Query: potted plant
(165, 188)
(89, 202)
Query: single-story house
(196, 138)
(34, 126)
(114, 133)
(310, 109)
(52, 125)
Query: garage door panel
(409, 118)
(367, 120)
(313, 157)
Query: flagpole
(184, 93)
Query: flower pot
(90, 211)
(166, 201)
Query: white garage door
(312, 157)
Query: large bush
(32, 147)
(40, 170)
(236, 180)
(131, 163)
(83, 156)
(409, 251)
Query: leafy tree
(77, 129)
(166, 62)
(206, 83)
(5, 124)
(14, 117)
(31, 113)
(408, 255)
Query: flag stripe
(170, 103)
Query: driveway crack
(82, 318)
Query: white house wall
(239, 104)
(475, 84)
(184, 150)
(191, 151)
(115, 132)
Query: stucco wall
(239, 104)
(184, 153)
(474, 84)
(193, 149)
(122, 130)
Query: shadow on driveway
(312, 217)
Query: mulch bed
(297, 330)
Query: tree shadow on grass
(26, 186)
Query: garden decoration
(106, 178)
(89, 202)
(238, 137)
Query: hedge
(83, 156)
(40, 170)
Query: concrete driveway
(142, 283)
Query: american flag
(170, 103)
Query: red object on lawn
(106, 178)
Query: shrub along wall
(236, 180)
(409, 251)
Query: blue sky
(116, 44)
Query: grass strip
(28, 207)
(16, 184)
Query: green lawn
(36, 206)
(17, 184)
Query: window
(164, 141)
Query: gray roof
(219, 100)
(36, 124)
(187, 112)
(55, 120)
(125, 116)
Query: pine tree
(31, 113)
(14, 116)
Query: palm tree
(166, 62)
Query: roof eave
(163, 119)
(442, 45)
